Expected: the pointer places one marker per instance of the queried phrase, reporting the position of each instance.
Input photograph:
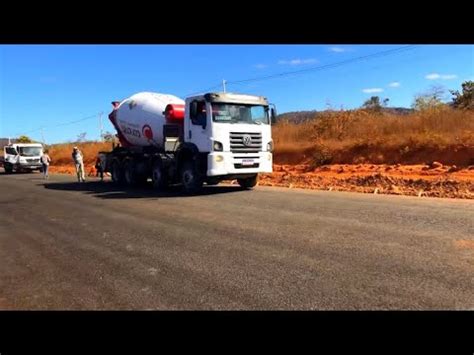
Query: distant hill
(304, 116)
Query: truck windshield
(29, 151)
(239, 113)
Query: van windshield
(30, 151)
(239, 113)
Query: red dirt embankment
(436, 180)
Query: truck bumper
(227, 163)
(28, 166)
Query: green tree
(464, 100)
(374, 103)
(24, 139)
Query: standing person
(45, 160)
(79, 163)
(99, 168)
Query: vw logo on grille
(247, 140)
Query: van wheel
(249, 182)
(8, 168)
(190, 178)
(117, 172)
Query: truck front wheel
(248, 183)
(190, 178)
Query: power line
(317, 68)
(77, 121)
(61, 124)
(327, 66)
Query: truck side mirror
(273, 115)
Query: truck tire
(129, 173)
(190, 178)
(117, 172)
(248, 183)
(8, 168)
(158, 177)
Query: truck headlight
(270, 147)
(217, 146)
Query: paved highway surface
(65, 245)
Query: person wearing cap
(79, 164)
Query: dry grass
(352, 137)
(346, 136)
(61, 153)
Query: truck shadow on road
(108, 190)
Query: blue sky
(44, 85)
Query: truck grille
(237, 142)
(240, 166)
(32, 160)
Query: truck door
(11, 155)
(197, 125)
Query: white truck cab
(234, 129)
(22, 157)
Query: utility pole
(101, 127)
(42, 135)
(223, 83)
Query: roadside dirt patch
(71, 170)
(411, 180)
(464, 244)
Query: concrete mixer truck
(203, 139)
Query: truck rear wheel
(130, 175)
(248, 183)
(117, 172)
(190, 178)
(157, 176)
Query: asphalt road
(65, 245)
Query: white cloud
(297, 61)
(394, 84)
(260, 66)
(433, 76)
(449, 76)
(436, 76)
(372, 90)
(337, 49)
